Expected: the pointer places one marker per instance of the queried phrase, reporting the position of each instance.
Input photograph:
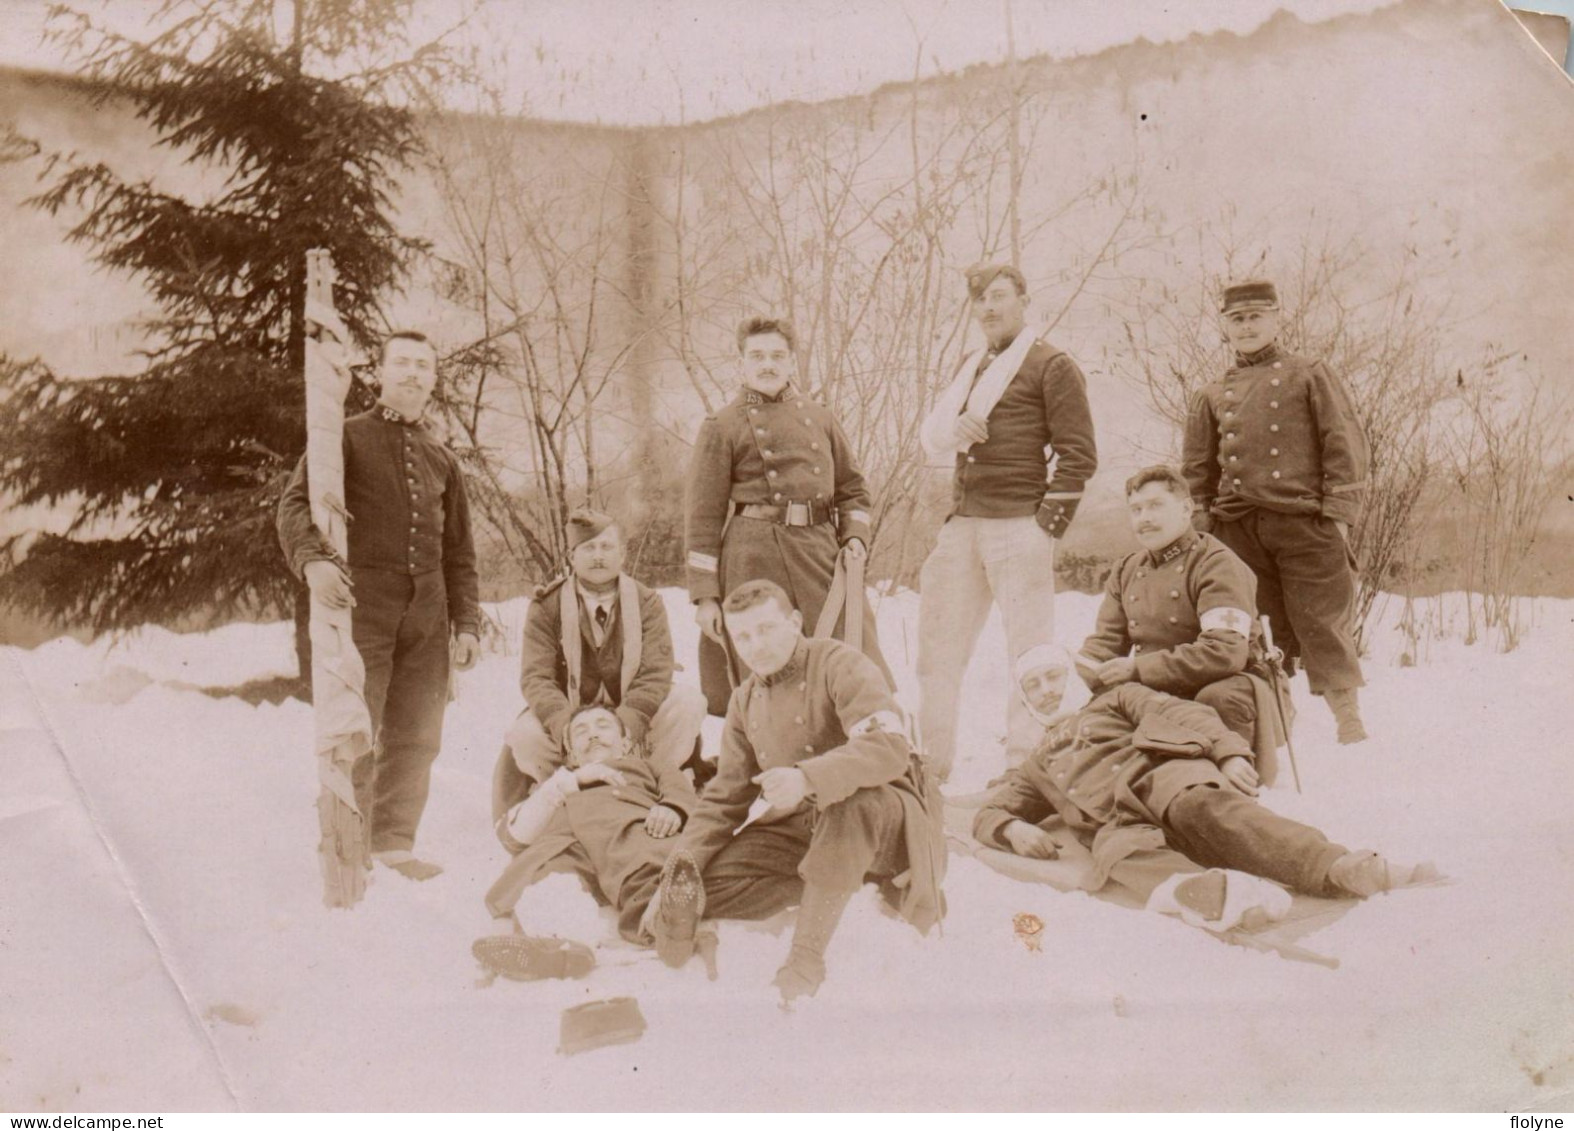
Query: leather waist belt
(793, 514)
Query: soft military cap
(1254, 294)
(584, 524)
(983, 274)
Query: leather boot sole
(682, 904)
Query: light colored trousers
(669, 741)
(976, 561)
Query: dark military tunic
(1276, 453)
(1280, 433)
(1044, 409)
(772, 452)
(1186, 614)
(409, 514)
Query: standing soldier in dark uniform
(817, 790)
(1016, 422)
(411, 577)
(1275, 453)
(1179, 615)
(774, 493)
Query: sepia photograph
(696, 556)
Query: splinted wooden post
(343, 723)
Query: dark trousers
(1220, 828)
(1234, 702)
(400, 627)
(764, 869)
(1306, 586)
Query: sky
(645, 62)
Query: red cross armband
(1226, 619)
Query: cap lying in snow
(596, 1024)
(527, 959)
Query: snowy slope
(218, 979)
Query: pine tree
(172, 474)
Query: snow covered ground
(163, 945)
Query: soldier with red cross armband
(1277, 460)
(774, 493)
(818, 790)
(1180, 614)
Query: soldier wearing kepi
(411, 577)
(1017, 423)
(1276, 459)
(775, 493)
(596, 636)
(1178, 615)
(817, 791)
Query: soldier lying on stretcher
(1163, 794)
(607, 815)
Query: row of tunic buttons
(1174, 593)
(808, 748)
(770, 472)
(409, 465)
(1272, 427)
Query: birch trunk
(343, 723)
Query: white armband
(881, 721)
(1228, 619)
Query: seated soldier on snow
(817, 791)
(606, 815)
(1154, 786)
(596, 636)
(1178, 615)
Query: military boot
(804, 969)
(1347, 712)
(1364, 874)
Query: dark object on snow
(596, 1024)
(525, 958)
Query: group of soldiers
(1146, 748)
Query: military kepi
(1254, 294)
(982, 275)
(584, 524)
